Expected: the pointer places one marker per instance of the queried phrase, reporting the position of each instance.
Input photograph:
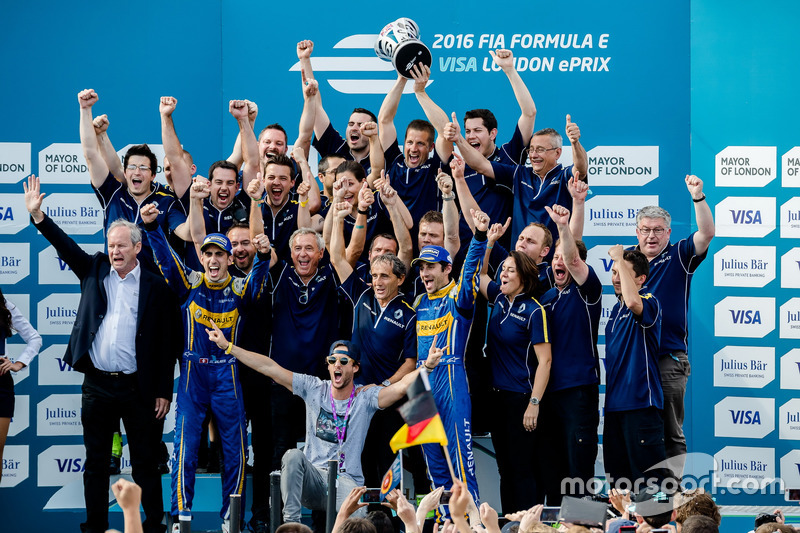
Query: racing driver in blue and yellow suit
(209, 376)
(444, 317)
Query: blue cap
(217, 239)
(433, 254)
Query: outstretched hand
(33, 198)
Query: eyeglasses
(658, 232)
(541, 150)
(143, 168)
(303, 296)
(344, 361)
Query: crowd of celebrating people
(306, 305)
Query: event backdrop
(658, 89)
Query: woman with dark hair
(518, 348)
(11, 320)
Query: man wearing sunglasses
(337, 419)
(672, 267)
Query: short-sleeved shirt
(384, 337)
(515, 327)
(416, 186)
(332, 143)
(117, 202)
(305, 318)
(532, 194)
(574, 321)
(633, 380)
(322, 443)
(670, 279)
(495, 199)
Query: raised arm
(358, 238)
(338, 196)
(179, 277)
(705, 220)
(452, 242)
(377, 160)
(98, 169)
(398, 213)
(196, 221)
(320, 120)
(260, 363)
(580, 159)
(472, 157)
(236, 157)
(630, 293)
(173, 151)
(578, 189)
(577, 268)
(314, 200)
(505, 60)
(339, 261)
(305, 129)
(239, 110)
(110, 156)
(255, 190)
(465, 197)
(421, 74)
(388, 132)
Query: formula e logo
(363, 63)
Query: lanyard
(340, 431)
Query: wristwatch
(386, 383)
(534, 401)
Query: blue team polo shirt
(219, 221)
(514, 328)
(633, 380)
(575, 318)
(495, 199)
(117, 202)
(332, 143)
(279, 227)
(670, 279)
(532, 193)
(384, 338)
(305, 318)
(416, 186)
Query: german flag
(423, 424)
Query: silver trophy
(399, 43)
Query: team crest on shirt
(227, 291)
(198, 313)
(398, 314)
(521, 308)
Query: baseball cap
(352, 351)
(217, 239)
(433, 254)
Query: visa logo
(63, 264)
(741, 316)
(71, 465)
(745, 417)
(63, 366)
(6, 213)
(608, 263)
(741, 216)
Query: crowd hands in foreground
(291, 289)
(691, 511)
